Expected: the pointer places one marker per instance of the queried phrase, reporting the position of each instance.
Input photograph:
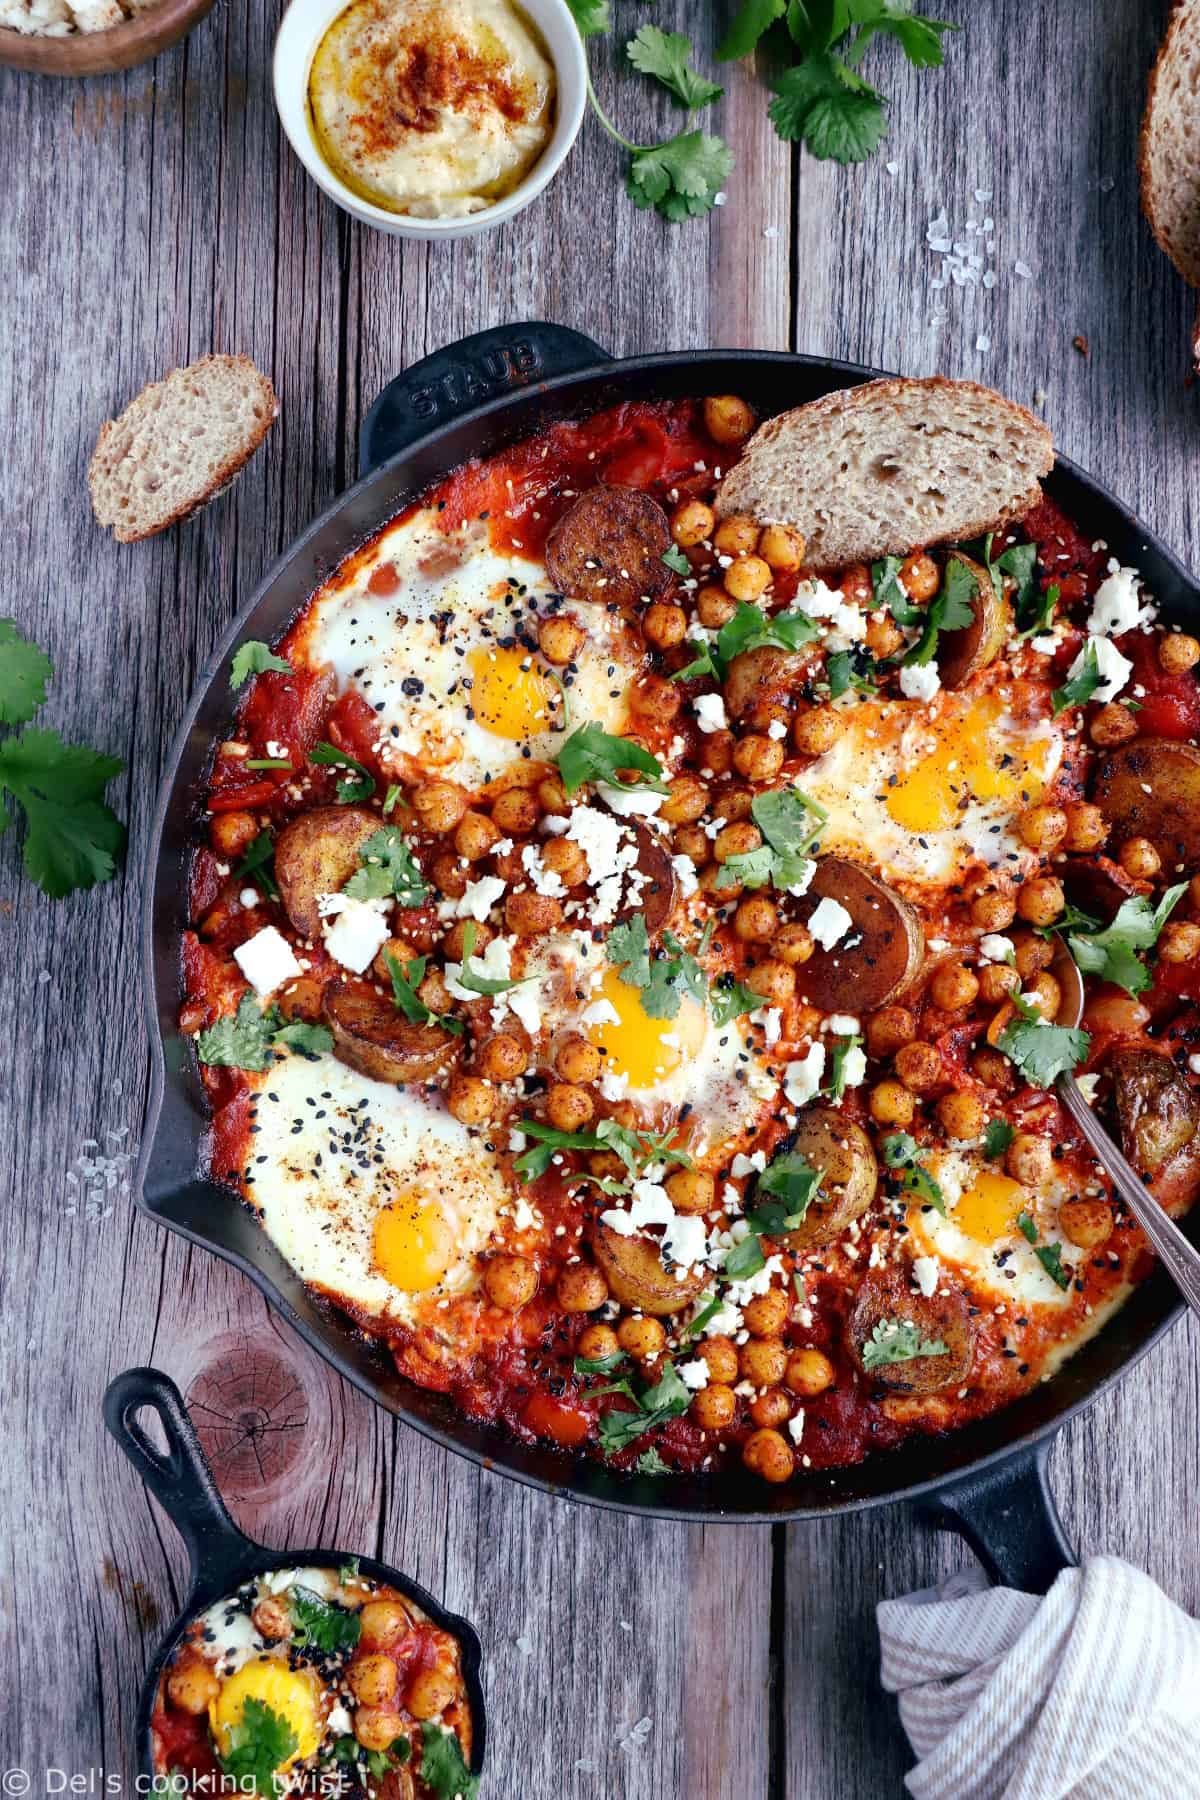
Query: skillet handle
(482, 367)
(181, 1480)
(1009, 1518)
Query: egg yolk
(969, 760)
(509, 697)
(988, 1209)
(293, 1694)
(643, 1049)
(414, 1243)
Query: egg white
(1017, 1275)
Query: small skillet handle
(181, 1480)
(439, 388)
(1009, 1518)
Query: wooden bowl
(138, 40)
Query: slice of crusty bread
(1169, 153)
(178, 444)
(876, 470)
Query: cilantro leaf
(328, 755)
(591, 16)
(682, 177)
(1078, 689)
(406, 980)
(476, 982)
(1039, 615)
(898, 1340)
(744, 1259)
(24, 672)
(791, 823)
(72, 839)
(388, 871)
(257, 1744)
(663, 979)
(949, 610)
(548, 1140)
(592, 754)
(749, 628)
(1049, 1255)
(651, 1463)
(240, 1040)
(728, 999)
(664, 55)
(842, 1047)
(259, 864)
(254, 658)
(885, 583)
(996, 1139)
(1042, 1052)
(902, 1153)
(673, 556)
(442, 1766)
(669, 1397)
(849, 668)
(1110, 953)
(628, 946)
(1026, 1227)
(792, 1184)
(320, 1624)
(751, 20)
(712, 1304)
(920, 39)
(309, 1040)
(824, 103)
(600, 1365)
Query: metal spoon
(1180, 1257)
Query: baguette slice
(875, 470)
(178, 444)
(1169, 153)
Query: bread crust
(1183, 28)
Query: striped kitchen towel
(1092, 1692)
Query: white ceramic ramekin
(304, 25)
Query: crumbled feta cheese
(266, 960)
(339, 1721)
(841, 1024)
(1118, 606)
(542, 879)
(771, 1020)
(479, 898)
(743, 1165)
(686, 877)
(777, 730)
(854, 1066)
(796, 1426)
(524, 1216)
(600, 1012)
(993, 947)
(495, 964)
(710, 712)
(802, 1079)
(926, 1273)
(847, 625)
(1045, 646)
(249, 898)
(358, 931)
(630, 803)
(693, 1374)
(685, 1240)
(525, 1004)
(829, 922)
(919, 681)
(613, 1086)
(1114, 668)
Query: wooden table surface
(151, 217)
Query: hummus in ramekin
(432, 108)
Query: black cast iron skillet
(987, 1479)
(221, 1556)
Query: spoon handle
(1181, 1258)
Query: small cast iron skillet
(221, 1556)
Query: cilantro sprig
(348, 789)
(259, 864)
(654, 1405)
(388, 871)
(1049, 1255)
(662, 979)
(244, 1040)
(899, 1340)
(903, 1154)
(72, 838)
(1111, 953)
(1040, 1051)
(729, 999)
(790, 823)
(406, 978)
(636, 1149)
(318, 1624)
(949, 610)
(257, 1744)
(1078, 689)
(443, 1768)
(783, 1194)
(996, 1139)
(664, 55)
(473, 979)
(592, 754)
(749, 628)
(254, 658)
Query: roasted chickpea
(758, 758)
(597, 1342)
(794, 945)
(454, 944)
(439, 805)
(664, 625)
(756, 920)
(191, 1686)
(767, 1454)
(735, 804)
(656, 699)
(856, 584)
(377, 1727)
(568, 1107)
(1040, 900)
(727, 419)
(888, 1030)
(960, 1115)
(515, 811)
(529, 915)
(1086, 1222)
(993, 911)
(766, 1314)
(510, 1281)
(231, 834)
(1179, 942)
(372, 1680)
(433, 992)
(770, 1408)
(642, 1338)
(993, 1068)
(919, 577)
(996, 982)
(430, 1692)
(382, 1623)
(560, 639)
(884, 637)
(714, 607)
(809, 1373)
(1044, 995)
(301, 998)
(719, 886)
(774, 980)
(691, 841)
(736, 536)
(762, 1361)
(450, 875)
(1087, 827)
(717, 752)
(271, 1618)
(686, 801)
(816, 730)
(919, 1066)
(1177, 653)
(714, 1406)
(720, 1355)
(581, 1288)
(891, 1103)
(551, 795)
(782, 547)
(692, 523)
(748, 578)
(576, 1060)
(1029, 1159)
(1113, 724)
(736, 840)
(1139, 859)
(470, 1100)
(1043, 828)
(565, 859)
(954, 986)
(1032, 954)
(691, 1191)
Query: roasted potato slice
(656, 894)
(759, 675)
(635, 1274)
(879, 956)
(962, 653)
(1151, 789)
(317, 854)
(834, 1143)
(887, 1296)
(1158, 1112)
(609, 547)
(370, 1035)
